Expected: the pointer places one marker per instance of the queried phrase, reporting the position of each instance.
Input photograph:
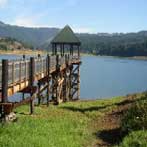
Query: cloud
(33, 21)
(3, 3)
(27, 21)
(84, 30)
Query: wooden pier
(58, 75)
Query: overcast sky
(82, 15)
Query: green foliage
(135, 139)
(126, 45)
(136, 117)
(6, 42)
(3, 47)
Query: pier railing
(19, 70)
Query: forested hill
(33, 36)
(129, 44)
(9, 44)
(116, 44)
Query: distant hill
(12, 44)
(115, 44)
(33, 36)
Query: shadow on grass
(130, 101)
(21, 113)
(83, 110)
(96, 108)
(110, 137)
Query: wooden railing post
(4, 81)
(13, 73)
(24, 57)
(20, 71)
(32, 72)
(4, 88)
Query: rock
(11, 117)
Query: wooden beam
(25, 101)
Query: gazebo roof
(66, 36)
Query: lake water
(103, 77)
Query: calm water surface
(103, 77)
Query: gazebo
(66, 42)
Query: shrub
(136, 117)
(135, 139)
(3, 47)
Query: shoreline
(36, 52)
(131, 58)
(22, 52)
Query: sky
(85, 16)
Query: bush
(135, 118)
(135, 139)
(3, 47)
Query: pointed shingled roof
(67, 36)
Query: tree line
(126, 45)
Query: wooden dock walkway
(59, 75)
(56, 75)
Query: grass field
(71, 124)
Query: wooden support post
(53, 87)
(78, 51)
(57, 63)
(55, 49)
(66, 60)
(70, 83)
(64, 87)
(39, 97)
(57, 76)
(32, 72)
(78, 82)
(63, 48)
(4, 87)
(23, 96)
(48, 79)
(70, 49)
(66, 80)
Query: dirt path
(109, 133)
